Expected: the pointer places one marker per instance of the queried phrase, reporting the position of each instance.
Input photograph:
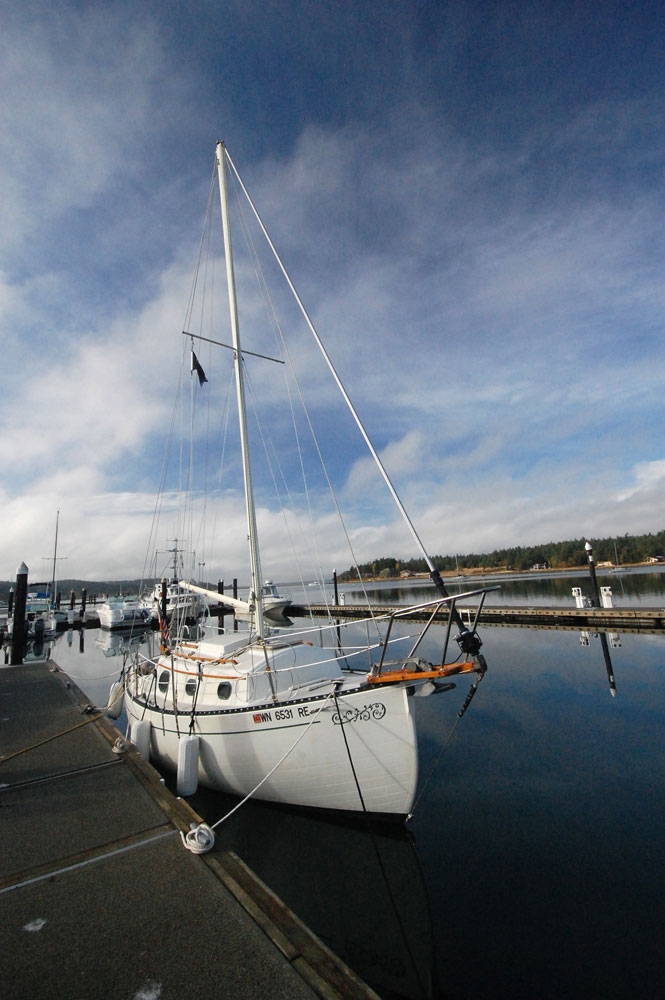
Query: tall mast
(55, 559)
(255, 594)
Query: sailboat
(168, 600)
(617, 568)
(296, 716)
(43, 616)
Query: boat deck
(98, 895)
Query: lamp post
(592, 573)
(201, 565)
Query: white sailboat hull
(353, 750)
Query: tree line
(569, 554)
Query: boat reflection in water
(118, 643)
(34, 650)
(358, 887)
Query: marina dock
(99, 898)
(644, 620)
(636, 619)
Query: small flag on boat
(196, 367)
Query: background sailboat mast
(255, 595)
(55, 558)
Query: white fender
(114, 706)
(188, 765)
(139, 734)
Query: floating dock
(645, 620)
(99, 898)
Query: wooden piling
(20, 600)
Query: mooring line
(49, 739)
(203, 843)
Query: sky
(469, 197)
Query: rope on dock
(17, 753)
(199, 839)
(90, 711)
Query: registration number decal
(281, 714)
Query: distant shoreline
(451, 576)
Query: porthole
(163, 682)
(224, 691)
(190, 688)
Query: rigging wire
(348, 752)
(291, 369)
(332, 369)
(460, 714)
(203, 275)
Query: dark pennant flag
(196, 367)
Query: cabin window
(163, 682)
(224, 691)
(190, 688)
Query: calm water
(534, 864)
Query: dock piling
(20, 600)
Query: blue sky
(469, 197)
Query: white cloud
(81, 90)
(648, 483)
(494, 308)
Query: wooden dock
(644, 620)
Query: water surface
(533, 866)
